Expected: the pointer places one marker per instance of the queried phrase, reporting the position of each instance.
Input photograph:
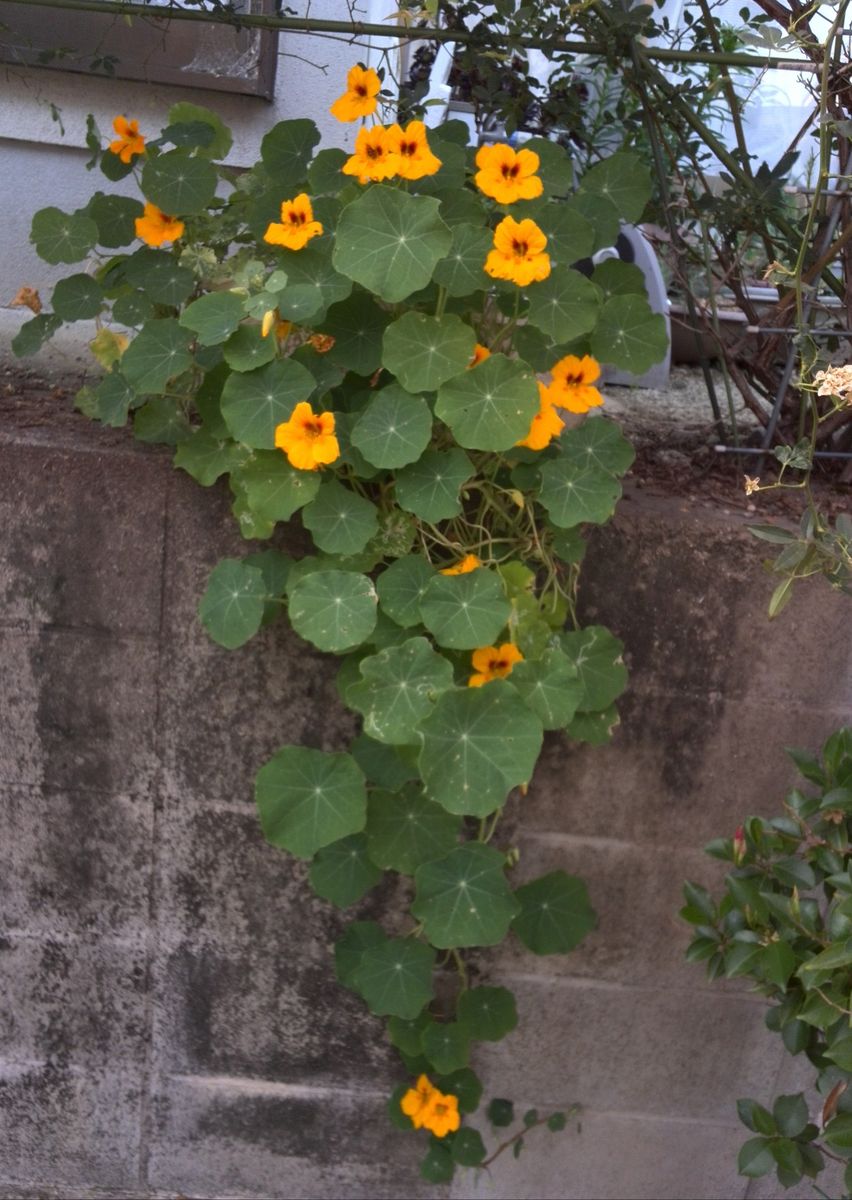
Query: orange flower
(546, 424)
(129, 141)
(572, 379)
(518, 253)
(480, 353)
(441, 1114)
(297, 225)
(465, 565)
(412, 149)
(374, 157)
(359, 99)
(321, 342)
(308, 438)
(416, 1100)
(507, 175)
(493, 662)
(154, 227)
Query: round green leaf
(629, 335)
(464, 612)
(617, 278)
(556, 168)
(574, 493)
(597, 443)
(447, 1046)
(464, 899)
(34, 333)
(565, 305)
(570, 236)
(488, 1013)
(429, 488)
(357, 326)
(206, 458)
(324, 172)
(231, 608)
(491, 406)
(437, 1164)
(402, 586)
(213, 318)
(406, 1035)
(551, 687)
(161, 420)
(395, 978)
(383, 765)
(478, 743)
(311, 276)
(468, 1148)
(273, 489)
(597, 656)
(349, 949)
(335, 610)
(247, 349)
(254, 403)
(114, 399)
(405, 830)
(341, 873)
(389, 241)
(555, 913)
(594, 727)
(63, 237)
(461, 272)
(286, 151)
(624, 180)
(424, 352)
(340, 521)
(77, 298)
(158, 353)
(394, 429)
(218, 145)
(398, 688)
(179, 183)
(160, 276)
(308, 799)
(115, 217)
(465, 1085)
(132, 309)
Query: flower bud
(739, 845)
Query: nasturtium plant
(393, 349)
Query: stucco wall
(170, 1019)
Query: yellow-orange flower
(480, 353)
(297, 225)
(416, 1100)
(465, 565)
(441, 1114)
(374, 157)
(308, 438)
(359, 99)
(154, 227)
(272, 320)
(321, 342)
(411, 147)
(493, 662)
(572, 379)
(129, 141)
(507, 175)
(519, 252)
(546, 424)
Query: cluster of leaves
(785, 921)
(384, 311)
(818, 547)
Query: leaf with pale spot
(446, 1046)
(312, 278)
(617, 278)
(564, 306)
(598, 442)
(159, 275)
(597, 656)
(34, 333)
(570, 235)
(272, 488)
(255, 402)
(424, 352)
(429, 488)
(179, 183)
(247, 349)
(461, 273)
(213, 318)
(335, 610)
(395, 977)
(464, 612)
(340, 521)
(286, 150)
(158, 353)
(489, 1013)
(308, 799)
(478, 743)
(624, 180)
(405, 829)
(231, 608)
(398, 687)
(394, 429)
(629, 335)
(464, 898)
(555, 913)
(575, 493)
(491, 406)
(63, 237)
(341, 873)
(402, 586)
(551, 687)
(77, 298)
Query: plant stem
(516, 1137)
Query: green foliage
(333, 384)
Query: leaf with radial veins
(247, 349)
(624, 180)
(156, 355)
(357, 326)
(395, 978)
(598, 442)
(389, 242)
(341, 873)
(394, 429)
(551, 687)
(478, 743)
(424, 352)
(308, 799)
(231, 608)
(464, 899)
(555, 913)
(464, 612)
(335, 610)
(402, 586)
(255, 402)
(574, 493)
(398, 688)
(629, 335)
(179, 183)
(273, 489)
(341, 521)
(446, 1046)
(405, 830)
(205, 458)
(213, 318)
(461, 272)
(564, 306)
(429, 488)
(350, 946)
(489, 1013)
(597, 657)
(491, 406)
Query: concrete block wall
(169, 1019)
